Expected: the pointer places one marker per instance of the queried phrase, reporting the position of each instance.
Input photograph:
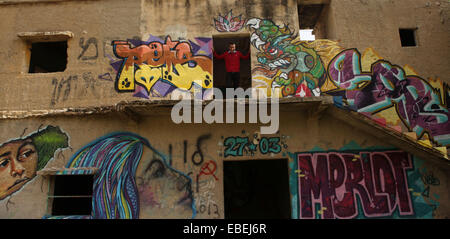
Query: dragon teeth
(256, 41)
(254, 23)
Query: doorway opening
(220, 44)
(257, 189)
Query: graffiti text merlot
(257, 99)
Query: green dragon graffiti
(295, 68)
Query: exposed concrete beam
(13, 2)
(311, 2)
(46, 36)
(140, 106)
(388, 136)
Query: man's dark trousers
(232, 79)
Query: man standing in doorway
(232, 64)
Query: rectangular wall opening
(221, 44)
(71, 195)
(257, 189)
(408, 37)
(312, 17)
(48, 57)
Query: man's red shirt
(232, 60)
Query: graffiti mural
(285, 61)
(229, 23)
(362, 184)
(334, 179)
(21, 158)
(250, 145)
(156, 67)
(161, 188)
(383, 91)
(417, 103)
(117, 193)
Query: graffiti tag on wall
(417, 103)
(229, 23)
(158, 67)
(248, 146)
(334, 180)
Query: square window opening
(71, 195)
(408, 37)
(48, 57)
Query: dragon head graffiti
(295, 68)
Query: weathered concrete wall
(94, 24)
(168, 171)
(363, 24)
(93, 78)
(111, 59)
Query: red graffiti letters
(156, 54)
(334, 179)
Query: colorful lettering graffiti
(417, 103)
(159, 67)
(21, 158)
(238, 146)
(284, 61)
(229, 23)
(334, 179)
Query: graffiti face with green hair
(280, 50)
(20, 159)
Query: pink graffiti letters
(418, 104)
(334, 179)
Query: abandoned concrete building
(87, 127)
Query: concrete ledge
(46, 36)
(12, 2)
(147, 106)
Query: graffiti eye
(309, 61)
(273, 51)
(4, 163)
(159, 172)
(26, 154)
(264, 37)
(262, 60)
